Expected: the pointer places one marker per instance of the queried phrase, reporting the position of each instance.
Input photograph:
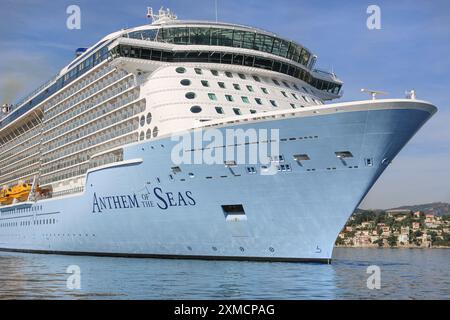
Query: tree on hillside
(433, 236)
(379, 242)
(392, 240)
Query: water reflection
(406, 274)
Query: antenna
(411, 94)
(163, 16)
(373, 93)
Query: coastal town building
(396, 228)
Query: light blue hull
(294, 215)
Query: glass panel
(238, 37)
(249, 40)
(238, 59)
(284, 47)
(200, 36)
(226, 58)
(249, 61)
(276, 47)
(268, 44)
(215, 35)
(259, 42)
(178, 35)
(226, 38)
(291, 52)
(263, 63)
(304, 57)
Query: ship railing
(67, 192)
(28, 96)
(327, 73)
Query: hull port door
(236, 220)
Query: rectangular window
(233, 210)
(295, 96)
(242, 76)
(219, 110)
(301, 157)
(205, 83)
(276, 82)
(293, 106)
(279, 158)
(229, 97)
(229, 74)
(252, 111)
(221, 84)
(250, 88)
(237, 111)
(245, 99)
(212, 96)
(274, 103)
(251, 170)
(304, 98)
(198, 71)
(286, 84)
(264, 90)
(236, 86)
(344, 154)
(214, 72)
(258, 101)
(257, 78)
(284, 94)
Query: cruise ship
(87, 160)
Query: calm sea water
(405, 274)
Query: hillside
(436, 208)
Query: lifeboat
(19, 192)
(4, 199)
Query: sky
(410, 51)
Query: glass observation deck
(226, 37)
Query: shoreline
(395, 247)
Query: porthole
(271, 249)
(190, 95)
(196, 109)
(148, 135)
(191, 175)
(155, 132)
(185, 82)
(219, 110)
(149, 118)
(180, 70)
(242, 249)
(142, 121)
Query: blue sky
(411, 51)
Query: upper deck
(286, 56)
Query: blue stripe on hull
(293, 215)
